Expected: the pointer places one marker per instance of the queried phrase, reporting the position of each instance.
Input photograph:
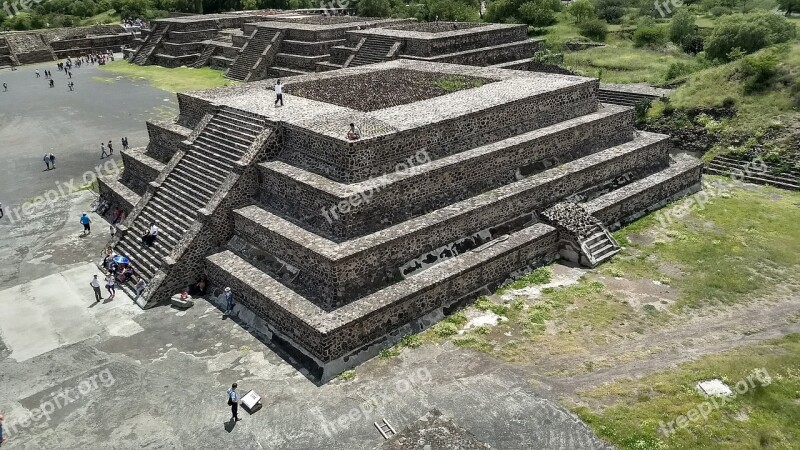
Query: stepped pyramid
(336, 248)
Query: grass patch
(390, 352)
(347, 375)
(457, 83)
(540, 276)
(622, 63)
(766, 416)
(737, 245)
(179, 79)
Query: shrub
(758, 71)
(610, 10)
(694, 45)
(748, 32)
(594, 29)
(648, 33)
(728, 102)
(374, 8)
(789, 6)
(682, 28)
(537, 14)
(445, 329)
(581, 10)
(679, 69)
(719, 11)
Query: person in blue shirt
(233, 400)
(86, 221)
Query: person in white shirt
(95, 284)
(278, 93)
(151, 235)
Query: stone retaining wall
(386, 200)
(368, 158)
(165, 139)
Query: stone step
(169, 233)
(141, 264)
(172, 217)
(229, 134)
(754, 179)
(230, 131)
(178, 188)
(245, 128)
(198, 178)
(218, 143)
(214, 154)
(256, 120)
(176, 205)
(722, 162)
(189, 179)
(190, 200)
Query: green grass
(347, 375)
(755, 111)
(739, 244)
(622, 63)
(458, 83)
(765, 416)
(179, 79)
(539, 276)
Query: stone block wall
(140, 170)
(357, 161)
(476, 38)
(370, 205)
(192, 110)
(492, 55)
(165, 139)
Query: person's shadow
(229, 425)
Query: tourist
(233, 401)
(5, 87)
(70, 85)
(110, 149)
(46, 160)
(95, 284)
(138, 288)
(103, 150)
(1, 210)
(125, 143)
(278, 93)
(52, 83)
(199, 288)
(87, 224)
(228, 301)
(110, 285)
(116, 216)
(150, 236)
(52, 161)
(354, 134)
(2, 438)
(37, 74)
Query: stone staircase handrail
(394, 50)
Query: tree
(374, 8)
(581, 10)
(539, 13)
(747, 32)
(610, 10)
(789, 6)
(682, 28)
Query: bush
(682, 28)
(537, 14)
(648, 33)
(694, 45)
(679, 69)
(748, 32)
(594, 29)
(374, 8)
(610, 10)
(757, 71)
(581, 10)
(719, 11)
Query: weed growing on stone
(347, 375)
(539, 276)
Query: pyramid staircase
(7, 58)
(142, 56)
(207, 53)
(584, 238)
(375, 49)
(184, 191)
(253, 54)
(753, 172)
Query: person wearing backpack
(233, 401)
